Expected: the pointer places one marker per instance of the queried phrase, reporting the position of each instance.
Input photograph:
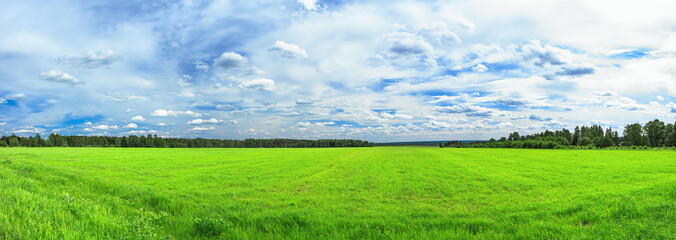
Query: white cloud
(546, 54)
(34, 130)
(310, 5)
(201, 66)
(258, 84)
(660, 98)
(672, 107)
(441, 33)
(161, 124)
(184, 81)
(3, 123)
(204, 121)
(104, 127)
(323, 124)
(138, 118)
(131, 125)
(480, 68)
(92, 59)
(138, 132)
(3, 101)
(18, 96)
(289, 50)
(202, 128)
(170, 113)
(404, 43)
(230, 60)
(121, 98)
(59, 77)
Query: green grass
(337, 193)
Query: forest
(153, 141)
(653, 134)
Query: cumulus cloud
(288, 50)
(258, 84)
(170, 113)
(441, 32)
(3, 101)
(323, 124)
(672, 107)
(3, 123)
(611, 99)
(137, 132)
(92, 59)
(404, 43)
(387, 115)
(184, 81)
(104, 127)
(310, 5)
(546, 54)
(204, 121)
(480, 68)
(138, 118)
(34, 130)
(131, 125)
(202, 128)
(230, 60)
(60, 77)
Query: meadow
(336, 193)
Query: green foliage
(633, 135)
(151, 141)
(655, 130)
(337, 193)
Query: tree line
(153, 141)
(653, 134)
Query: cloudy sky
(372, 70)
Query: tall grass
(343, 193)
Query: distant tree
(633, 135)
(655, 130)
(514, 137)
(645, 140)
(576, 135)
(14, 142)
(585, 141)
(670, 138)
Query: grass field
(337, 193)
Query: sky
(373, 70)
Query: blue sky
(372, 70)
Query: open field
(382, 192)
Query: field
(336, 193)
